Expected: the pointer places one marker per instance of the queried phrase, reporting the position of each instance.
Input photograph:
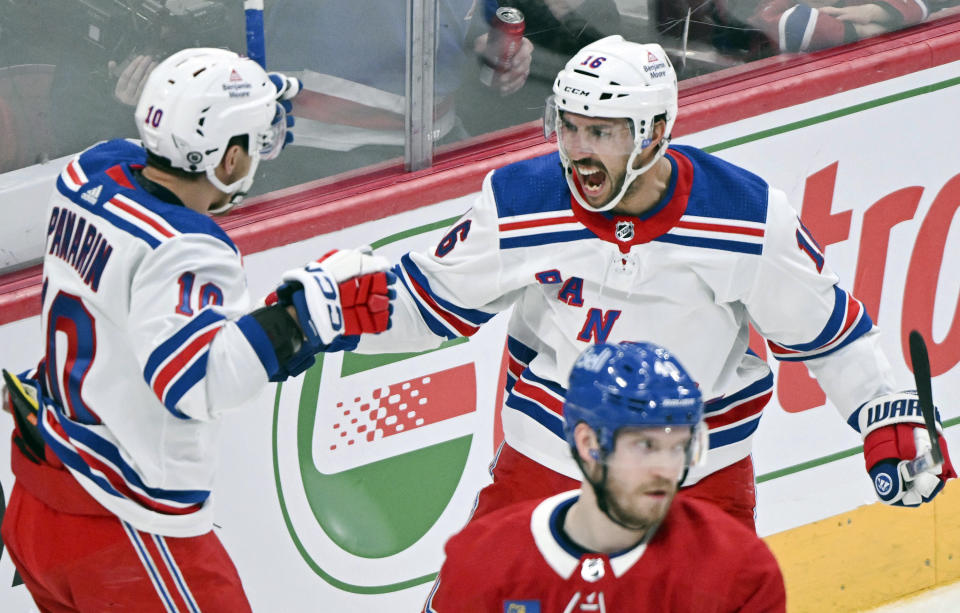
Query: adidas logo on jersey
(92, 195)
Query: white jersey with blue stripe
(146, 342)
(722, 250)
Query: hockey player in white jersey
(150, 336)
(619, 236)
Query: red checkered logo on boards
(405, 406)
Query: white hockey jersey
(146, 342)
(721, 251)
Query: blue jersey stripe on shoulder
(109, 153)
(112, 219)
(723, 190)
(536, 185)
(96, 160)
(546, 238)
(711, 243)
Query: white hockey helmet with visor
(196, 100)
(614, 78)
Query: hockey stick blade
(25, 414)
(921, 375)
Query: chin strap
(238, 188)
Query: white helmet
(196, 100)
(615, 78)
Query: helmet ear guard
(615, 78)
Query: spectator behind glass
(351, 58)
(563, 27)
(557, 29)
(820, 24)
(706, 36)
(72, 76)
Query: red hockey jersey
(519, 560)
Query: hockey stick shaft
(921, 375)
(256, 48)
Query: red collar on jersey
(118, 174)
(652, 224)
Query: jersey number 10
(209, 294)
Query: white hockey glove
(893, 433)
(344, 293)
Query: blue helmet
(632, 384)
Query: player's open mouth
(592, 180)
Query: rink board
(311, 517)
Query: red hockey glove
(365, 284)
(345, 292)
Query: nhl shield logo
(592, 569)
(624, 230)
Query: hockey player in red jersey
(633, 420)
(620, 235)
(150, 337)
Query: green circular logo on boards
(378, 459)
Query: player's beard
(631, 507)
(612, 181)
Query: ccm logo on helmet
(575, 91)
